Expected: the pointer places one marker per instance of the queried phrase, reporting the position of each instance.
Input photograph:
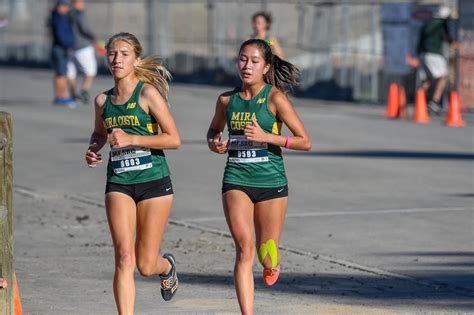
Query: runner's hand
(255, 133)
(218, 146)
(119, 138)
(92, 157)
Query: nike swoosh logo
(280, 190)
(168, 189)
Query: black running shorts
(257, 194)
(139, 192)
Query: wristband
(287, 142)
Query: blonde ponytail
(150, 70)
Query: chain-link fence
(337, 44)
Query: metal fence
(337, 44)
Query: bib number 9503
(247, 154)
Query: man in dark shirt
(63, 46)
(84, 59)
(434, 65)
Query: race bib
(242, 150)
(130, 159)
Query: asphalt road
(380, 217)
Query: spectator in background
(83, 59)
(434, 65)
(63, 48)
(261, 23)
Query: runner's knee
(124, 260)
(146, 266)
(245, 252)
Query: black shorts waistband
(258, 194)
(142, 191)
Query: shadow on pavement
(351, 287)
(466, 195)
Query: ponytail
(150, 70)
(282, 74)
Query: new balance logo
(261, 100)
(131, 105)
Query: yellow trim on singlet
(152, 127)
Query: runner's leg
(269, 220)
(121, 214)
(152, 218)
(238, 209)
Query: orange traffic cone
(402, 103)
(454, 112)
(421, 111)
(18, 310)
(392, 104)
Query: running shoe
(67, 102)
(434, 107)
(169, 283)
(85, 97)
(270, 276)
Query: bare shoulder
(151, 98)
(149, 92)
(278, 98)
(100, 100)
(224, 98)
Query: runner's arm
(284, 109)
(214, 133)
(99, 136)
(154, 103)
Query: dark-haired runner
(255, 186)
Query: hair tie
(268, 42)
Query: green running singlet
(252, 163)
(133, 165)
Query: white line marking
(348, 212)
(381, 211)
(341, 262)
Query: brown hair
(266, 15)
(150, 69)
(282, 74)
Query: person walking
(62, 49)
(139, 192)
(261, 24)
(255, 186)
(84, 60)
(433, 64)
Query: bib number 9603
(130, 159)
(130, 162)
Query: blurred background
(347, 50)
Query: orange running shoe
(270, 276)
